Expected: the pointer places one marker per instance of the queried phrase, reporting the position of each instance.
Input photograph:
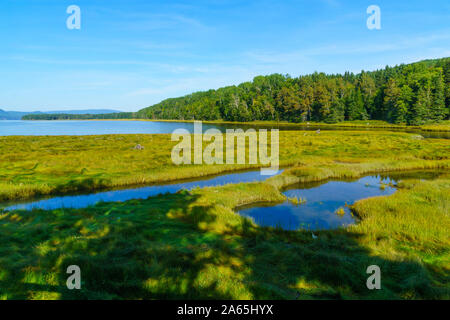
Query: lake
(93, 127)
(74, 127)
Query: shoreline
(369, 124)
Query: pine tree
(447, 86)
(395, 106)
(368, 90)
(355, 106)
(288, 103)
(306, 95)
(438, 110)
(322, 102)
(419, 110)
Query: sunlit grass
(193, 245)
(31, 166)
(376, 124)
(443, 126)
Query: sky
(131, 54)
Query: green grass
(378, 124)
(31, 166)
(194, 245)
(443, 126)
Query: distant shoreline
(375, 124)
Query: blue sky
(131, 54)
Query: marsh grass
(443, 126)
(296, 200)
(32, 166)
(193, 245)
(375, 124)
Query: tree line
(413, 94)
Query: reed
(193, 245)
(32, 166)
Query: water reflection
(84, 200)
(326, 205)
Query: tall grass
(375, 124)
(192, 245)
(31, 166)
(443, 126)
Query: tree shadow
(158, 249)
(129, 250)
(332, 266)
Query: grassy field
(31, 166)
(194, 245)
(443, 126)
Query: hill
(17, 115)
(67, 116)
(13, 115)
(412, 94)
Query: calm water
(84, 200)
(70, 128)
(73, 127)
(323, 201)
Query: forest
(411, 94)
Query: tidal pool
(84, 200)
(326, 202)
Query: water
(74, 127)
(84, 200)
(282, 127)
(69, 128)
(323, 200)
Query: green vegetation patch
(32, 166)
(193, 245)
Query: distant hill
(14, 115)
(17, 115)
(414, 94)
(66, 116)
(87, 111)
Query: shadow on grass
(156, 249)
